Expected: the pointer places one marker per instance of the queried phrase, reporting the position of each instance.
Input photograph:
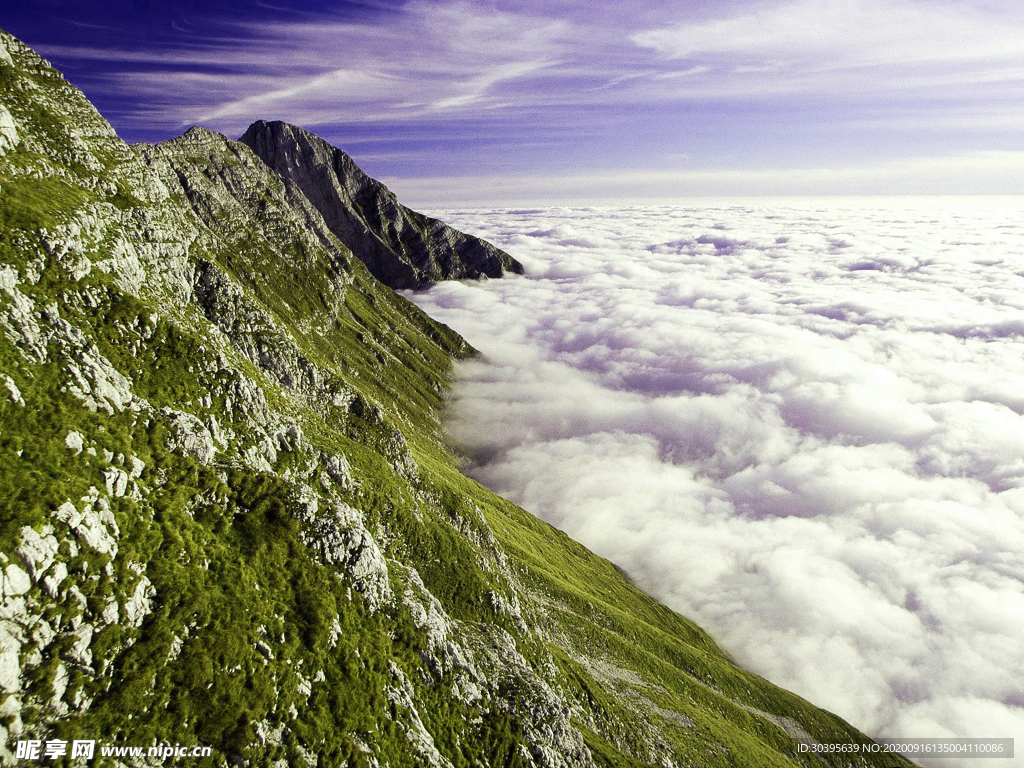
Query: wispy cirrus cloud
(423, 60)
(558, 90)
(819, 36)
(837, 46)
(456, 55)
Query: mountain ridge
(401, 248)
(229, 518)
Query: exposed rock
(264, 650)
(339, 471)
(110, 612)
(15, 581)
(54, 578)
(189, 435)
(8, 130)
(554, 740)
(137, 466)
(400, 695)
(94, 525)
(76, 594)
(340, 539)
(269, 734)
(443, 653)
(79, 652)
(74, 441)
(93, 379)
(402, 248)
(138, 606)
(252, 329)
(5, 57)
(13, 389)
(116, 481)
(20, 319)
(60, 685)
(10, 649)
(38, 550)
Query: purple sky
(455, 103)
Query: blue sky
(454, 102)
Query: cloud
(532, 102)
(820, 462)
(993, 172)
(450, 58)
(803, 44)
(903, 62)
(845, 31)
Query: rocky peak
(402, 248)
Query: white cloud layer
(799, 423)
(997, 172)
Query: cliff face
(228, 517)
(401, 248)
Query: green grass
(34, 203)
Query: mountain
(229, 517)
(401, 248)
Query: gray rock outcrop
(8, 131)
(402, 248)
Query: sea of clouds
(800, 423)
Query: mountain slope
(228, 517)
(402, 248)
